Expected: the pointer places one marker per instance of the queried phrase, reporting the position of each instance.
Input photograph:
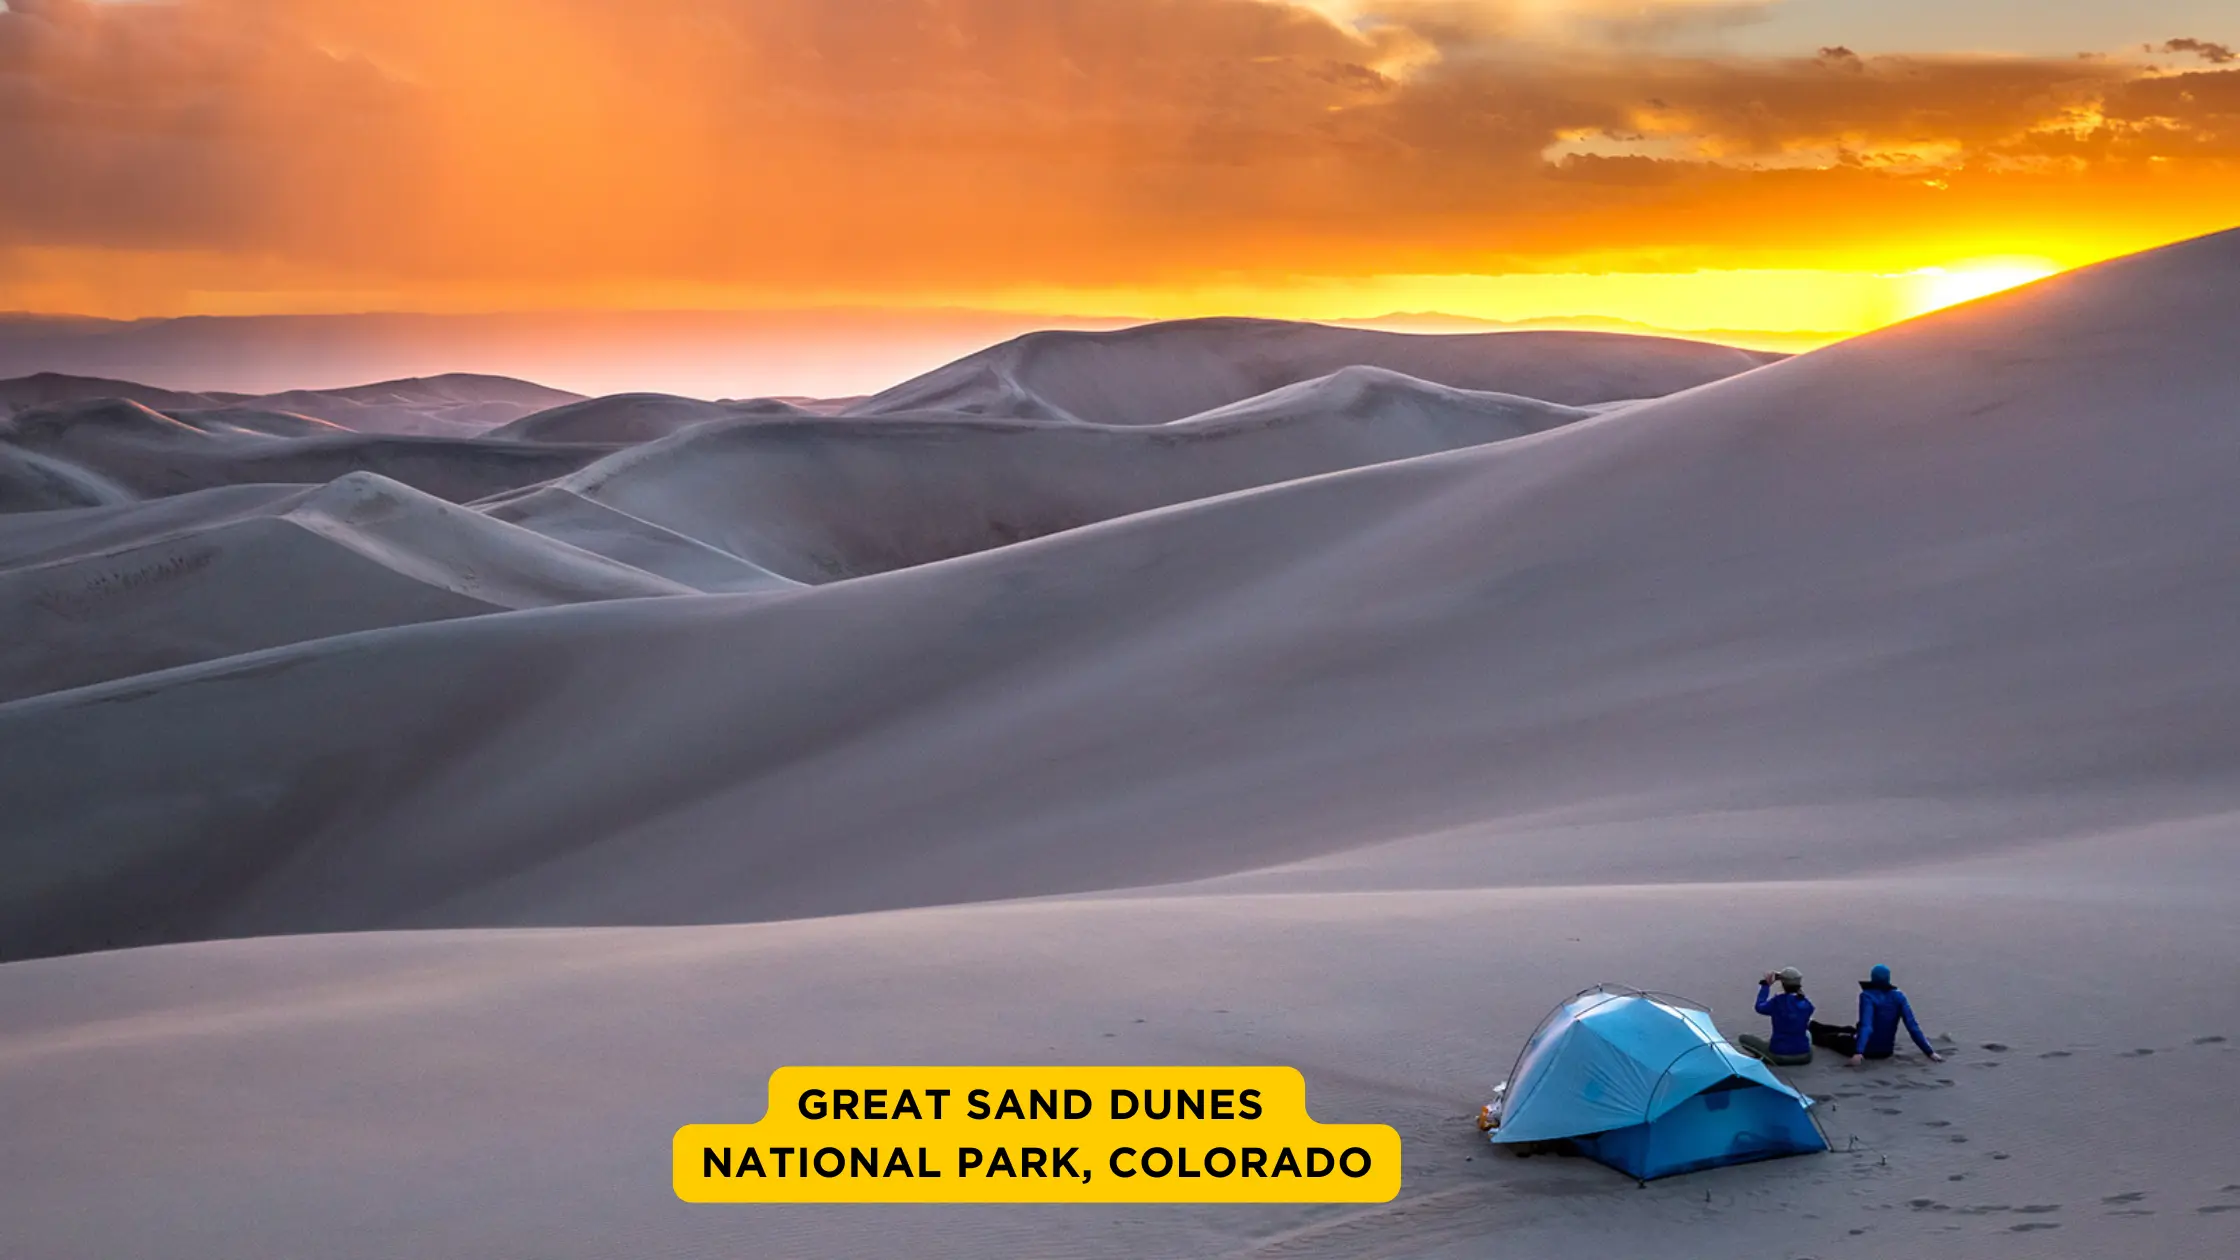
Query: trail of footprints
(2124, 1204)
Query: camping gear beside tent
(1646, 1084)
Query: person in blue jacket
(1791, 1011)
(1882, 1007)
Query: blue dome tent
(1646, 1084)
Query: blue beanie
(1880, 974)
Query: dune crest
(1155, 373)
(629, 418)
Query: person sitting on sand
(1882, 1006)
(1791, 1010)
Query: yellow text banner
(1037, 1135)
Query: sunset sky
(1695, 164)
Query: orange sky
(1332, 159)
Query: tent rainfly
(1646, 1084)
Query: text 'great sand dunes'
(1037, 1135)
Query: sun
(1934, 288)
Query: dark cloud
(2214, 54)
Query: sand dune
(65, 425)
(183, 580)
(617, 535)
(457, 404)
(1942, 589)
(626, 418)
(823, 499)
(46, 389)
(152, 453)
(1160, 372)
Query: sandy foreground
(512, 1093)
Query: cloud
(1461, 24)
(2214, 54)
(2193, 117)
(579, 151)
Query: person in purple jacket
(1882, 1007)
(1791, 1012)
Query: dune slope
(1942, 588)
(165, 584)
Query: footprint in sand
(2128, 1196)
(2000, 1155)
(1995, 1047)
(1888, 1111)
(2056, 1054)
(1928, 1205)
(2208, 1041)
(2214, 1208)
(2141, 1053)
(2039, 1209)
(1938, 1124)
(2132, 1212)
(2030, 1226)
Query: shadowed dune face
(33, 482)
(1940, 589)
(629, 418)
(151, 453)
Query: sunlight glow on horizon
(1940, 287)
(1824, 305)
(1772, 308)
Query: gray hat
(1790, 977)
